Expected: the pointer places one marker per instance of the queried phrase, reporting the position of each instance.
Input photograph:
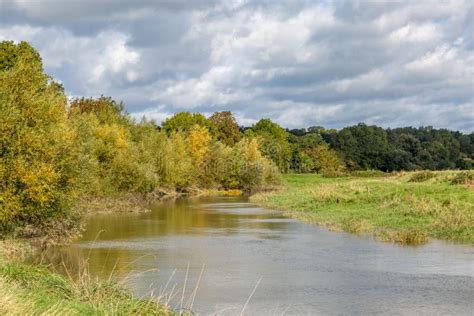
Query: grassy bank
(34, 290)
(407, 208)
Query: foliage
(112, 160)
(175, 166)
(319, 159)
(249, 168)
(52, 153)
(273, 142)
(225, 128)
(12, 54)
(463, 178)
(105, 109)
(37, 168)
(422, 176)
(371, 147)
(364, 147)
(434, 149)
(198, 144)
(184, 121)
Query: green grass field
(407, 208)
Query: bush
(422, 176)
(249, 170)
(466, 177)
(320, 159)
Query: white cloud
(97, 60)
(416, 33)
(332, 64)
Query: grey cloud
(300, 63)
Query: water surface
(229, 248)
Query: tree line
(54, 150)
(363, 147)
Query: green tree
(184, 121)
(320, 159)
(273, 142)
(249, 169)
(11, 53)
(115, 157)
(225, 128)
(175, 165)
(216, 169)
(364, 147)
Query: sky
(299, 63)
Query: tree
(249, 169)
(300, 161)
(215, 170)
(364, 146)
(320, 159)
(273, 142)
(430, 148)
(107, 110)
(11, 53)
(175, 165)
(466, 143)
(37, 168)
(198, 143)
(184, 121)
(225, 128)
(115, 158)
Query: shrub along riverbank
(407, 208)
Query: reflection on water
(302, 269)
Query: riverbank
(68, 227)
(407, 208)
(30, 289)
(140, 203)
(27, 289)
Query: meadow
(402, 207)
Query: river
(225, 252)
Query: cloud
(300, 63)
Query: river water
(225, 252)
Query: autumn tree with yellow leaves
(37, 167)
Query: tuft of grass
(405, 237)
(356, 226)
(393, 208)
(369, 173)
(27, 289)
(466, 177)
(335, 174)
